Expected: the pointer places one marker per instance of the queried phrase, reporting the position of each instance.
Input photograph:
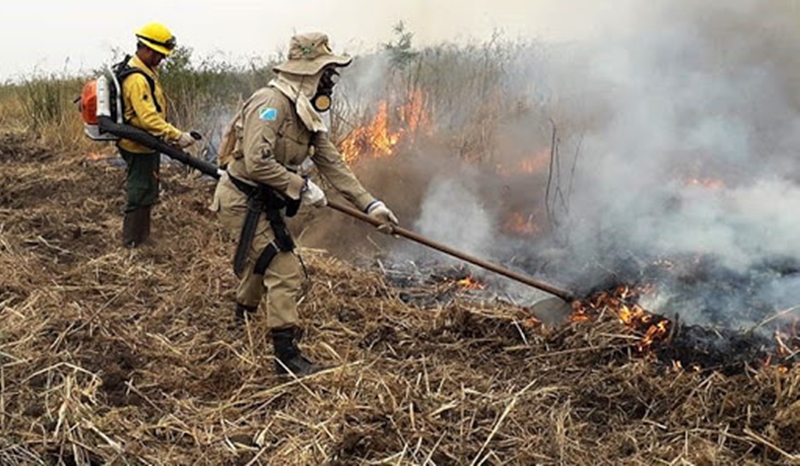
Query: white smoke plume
(677, 158)
(695, 158)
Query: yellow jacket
(141, 111)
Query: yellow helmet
(156, 36)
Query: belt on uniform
(262, 199)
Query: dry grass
(111, 356)
(11, 110)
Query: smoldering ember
(650, 175)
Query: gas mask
(322, 99)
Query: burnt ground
(112, 356)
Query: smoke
(696, 156)
(463, 202)
(660, 154)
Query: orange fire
(522, 225)
(378, 137)
(527, 165)
(470, 283)
(637, 318)
(579, 316)
(651, 328)
(413, 114)
(657, 332)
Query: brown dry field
(112, 356)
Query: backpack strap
(122, 70)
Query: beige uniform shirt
(272, 142)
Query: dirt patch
(21, 148)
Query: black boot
(288, 357)
(135, 227)
(243, 310)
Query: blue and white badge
(267, 113)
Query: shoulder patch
(267, 113)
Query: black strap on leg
(272, 204)
(265, 258)
(247, 233)
(283, 241)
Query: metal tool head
(552, 311)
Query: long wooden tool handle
(563, 294)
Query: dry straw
(111, 356)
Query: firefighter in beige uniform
(278, 127)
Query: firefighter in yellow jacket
(277, 129)
(145, 107)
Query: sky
(75, 35)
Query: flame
(521, 224)
(527, 165)
(637, 318)
(377, 138)
(579, 316)
(655, 331)
(413, 113)
(470, 283)
(652, 329)
(373, 137)
(531, 322)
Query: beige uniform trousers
(281, 285)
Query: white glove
(313, 194)
(381, 213)
(184, 140)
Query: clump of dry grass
(111, 356)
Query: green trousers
(142, 179)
